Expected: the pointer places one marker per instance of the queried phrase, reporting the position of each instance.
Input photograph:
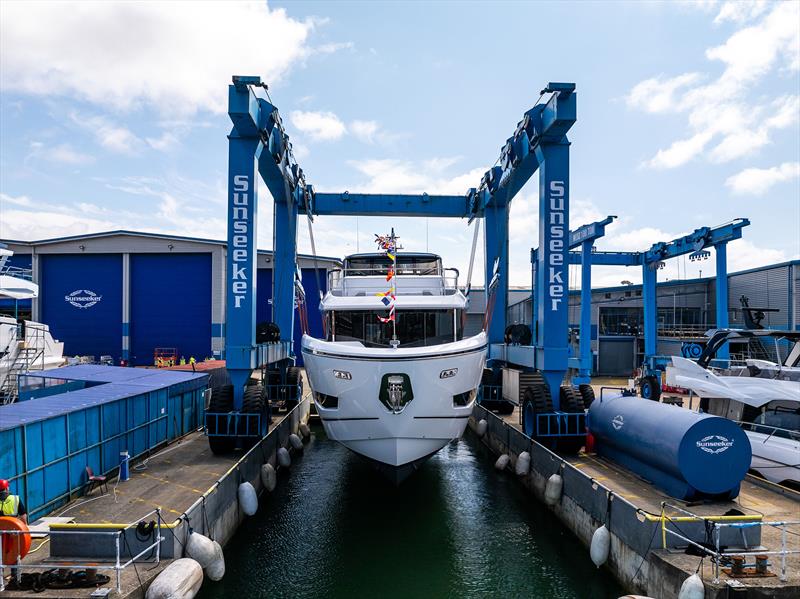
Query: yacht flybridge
(394, 380)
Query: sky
(113, 116)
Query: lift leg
(585, 370)
(284, 266)
(551, 270)
(496, 246)
(722, 295)
(241, 262)
(650, 309)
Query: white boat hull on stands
(397, 440)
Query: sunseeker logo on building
(82, 298)
(714, 444)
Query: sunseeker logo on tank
(714, 444)
(83, 298)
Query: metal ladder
(29, 350)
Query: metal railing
(360, 278)
(491, 393)
(718, 523)
(118, 566)
(233, 424)
(561, 424)
(17, 272)
(770, 431)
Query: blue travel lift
(696, 245)
(259, 145)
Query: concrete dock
(644, 559)
(192, 488)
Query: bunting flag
(388, 243)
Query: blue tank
(688, 455)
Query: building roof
(144, 234)
(108, 383)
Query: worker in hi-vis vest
(11, 505)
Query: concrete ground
(756, 497)
(172, 479)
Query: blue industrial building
(124, 293)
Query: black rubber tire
(650, 388)
(254, 402)
(221, 402)
(570, 400)
(587, 395)
(536, 400)
(267, 332)
(293, 379)
(572, 403)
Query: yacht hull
(395, 437)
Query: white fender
(248, 499)
(481, 428)
(201, 549)
(268, 477)
(523, 464)
(305, 430)
(216, 569)
(180, 580)
(552, 490)
(284, 459)
(502, 462)
(295, 442)
(601, 545)
(692, 588)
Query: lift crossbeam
(344, 204)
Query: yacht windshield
(414, 328)
(364, 266)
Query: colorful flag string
(388, 243)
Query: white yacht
(24, 346)
(762, 396)
(394, 380)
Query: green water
(456, 528)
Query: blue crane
(259, 145)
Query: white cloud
(730, 111)
(680, 152)
(112, 137)
(658, 94)
(166, 141)
(405, 176)
(174, 56)
(758, 181)
(62, 153)
(739, 11)
(365, 130)
(319, 126)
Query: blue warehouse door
(170, 305)
(81, 300)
